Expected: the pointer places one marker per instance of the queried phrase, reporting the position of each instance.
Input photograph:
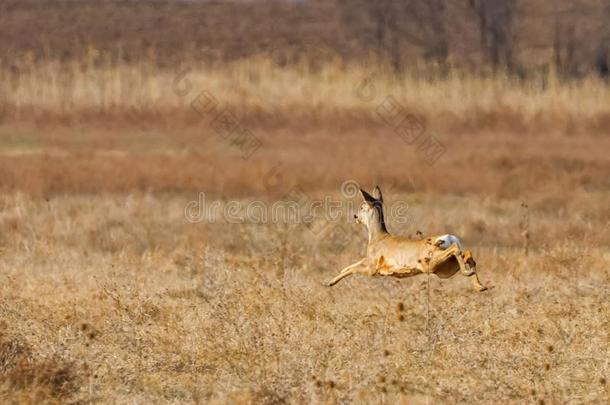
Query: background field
(107, 135)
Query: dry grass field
(110, 294)
(118, 299)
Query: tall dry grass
(261, 89)
(119, 299)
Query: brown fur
(395, 256)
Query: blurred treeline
(513, 36)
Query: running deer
(395, 256)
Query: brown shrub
(22, 371)
(55, 378)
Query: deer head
(371, 213)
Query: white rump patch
(448, 240)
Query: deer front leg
(348, 271)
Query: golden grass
(118, 299)
(107, 294)
(259, 89)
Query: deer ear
(377, 194)
(367, 197)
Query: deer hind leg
(469, 264)
(470, 270)
(465, 262)
(346, 272)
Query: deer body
(396, 256)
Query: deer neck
(377, 230)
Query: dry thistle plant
(525, 228)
